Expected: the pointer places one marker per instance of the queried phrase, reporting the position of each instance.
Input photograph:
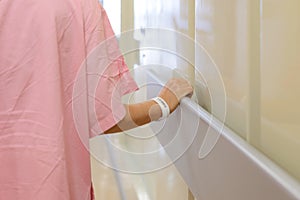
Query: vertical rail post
(127, 24)
(254, 82)
(192, 33)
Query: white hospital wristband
(163, 106)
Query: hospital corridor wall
(239, 135)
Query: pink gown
(51, 101)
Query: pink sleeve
(108, 75)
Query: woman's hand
(174, 90)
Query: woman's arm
(137, 115)
(145, 112)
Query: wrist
(163, 106)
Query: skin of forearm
(137, 115)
